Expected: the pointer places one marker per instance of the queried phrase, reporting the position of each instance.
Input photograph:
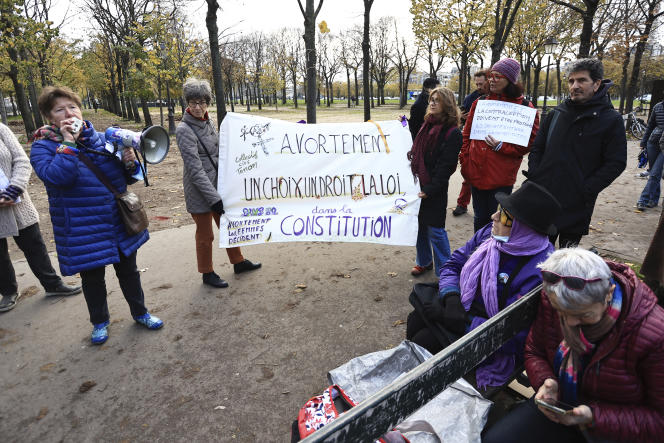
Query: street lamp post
(550, 45)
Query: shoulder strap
(552, 126)
(523, 261)
(100, 175)
(202, 144)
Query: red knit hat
(509, 67)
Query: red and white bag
(323, 409)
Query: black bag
(425, 293)
(130, 206)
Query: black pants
(30, 241)
(94, 289)
(418, 332)
(566, 240)
(527, 424)
(485, 204)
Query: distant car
(645, 98)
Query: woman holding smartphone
(597, 344)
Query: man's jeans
(651, 191)
(428, 238)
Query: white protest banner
(504, 121)
(283, 182)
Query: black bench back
(391, 405)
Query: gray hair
(195, 89)
(594, 67)
(582, 263)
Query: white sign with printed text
(504, 121)
(283, 182)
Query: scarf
(203, 119)
(578, 345)
(52, 132)
(481, 273)
(424, 142)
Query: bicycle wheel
(637, 130)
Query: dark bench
(391, 405)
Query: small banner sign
(504, 121)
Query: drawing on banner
(344, 185)
(507, 122)
(257, 131)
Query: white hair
(577, 262)
(195, 89)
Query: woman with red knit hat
(491, 165)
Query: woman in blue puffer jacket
(89, 233)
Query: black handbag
(130, 206)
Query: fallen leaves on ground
(86, 386)
(398, 322)
(392, 274)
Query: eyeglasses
(198, 104)
(573, 283)
(505, 217)
(434, 101)
(496, 76)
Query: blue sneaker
(149, 321)
(99, 333)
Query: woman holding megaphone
(199, 146)
(89, 233)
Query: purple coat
(526, 280)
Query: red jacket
(624, 382)
(485, 168)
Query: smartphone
(555, 406)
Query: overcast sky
(246, 16)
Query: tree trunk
(24, 109)
(587, 28)
(294, 88)
(230, 93)
(366, 77)
(213, 36)
(137, 117)
(3, 110)
(32, 90)
(623, 82)
(310, 53)
(636, 67)
(357, 90)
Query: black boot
(212, 279)
(245, 266)
(63, 289)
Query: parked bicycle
(636, 125)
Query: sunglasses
(573, 283)
(505, 217)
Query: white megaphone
(153, 142)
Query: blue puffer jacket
(88, 230)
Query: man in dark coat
(419, 108)
(579, 150)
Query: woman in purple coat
(492, 270)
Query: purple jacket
(526, 280)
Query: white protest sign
(504, 121)
(283, 182)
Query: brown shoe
(419, 270)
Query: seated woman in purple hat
(494, 268)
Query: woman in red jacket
(597, 344)
(491, 165)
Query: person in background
(89, 232)
(491, 271)
(199, 146)
(482, 89)
(420, 106)
(580, 149)
(19, 219)
(433, 160)
(651, 141)
(490, 165)
(597, 344)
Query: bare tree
(505, 14)
(649, 13)
(405, 64)
(587, 17)
(383, 48)
(310, 14)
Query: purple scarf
(481, 270)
